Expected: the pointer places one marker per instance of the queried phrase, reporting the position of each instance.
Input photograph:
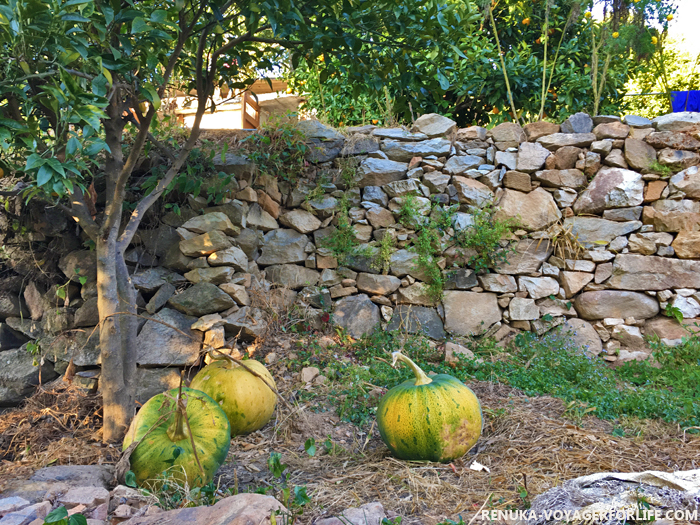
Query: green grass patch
(665, 388)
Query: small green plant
(386, 248)
(173, 494)
(484, 237)
(674, 312)
(310, 447)
(660, 169)
(278, 149)
(60, 516)
(342, 242)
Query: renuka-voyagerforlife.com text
(587, 515)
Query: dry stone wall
(604, 244)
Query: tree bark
(116, 392)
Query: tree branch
(79, 213)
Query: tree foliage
(468, 83)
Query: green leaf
(130, 479)
(74, 17)
(151, 95)
(139, 25)
(442, 79)
(57, 516)
(300, 496)
(34, 161)
(44, 175)
(77, 519)
(310, 447)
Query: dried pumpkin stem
(421, 377)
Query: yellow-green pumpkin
(247, 401)
(168, 447)
(434, 418)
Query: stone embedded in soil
(160, 345)
(417, 320)
(357, 315)
(614, 303)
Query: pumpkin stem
(178, 430)
(421, 377)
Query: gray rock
(160, 345)
(528, 257)
(160, 298)
(534, 211)
(205, 244)
(638, 154)
(458, 165)
(643, 273)
(678, 159)
(233, 257)
(470, 313)
(232, 164)
(377, 284)
(583, 336)
(623, 214)
(416, 294)
(215, 275)
(201, 299)
(538, 287)
(434, 125)
(313, 129)
(87, 315)
(10, 338)
(375, 195)
(617, 304)
(404, 262)
(401, 188)
(460, 279)
(283, 246)
(153, 278)
(405, 151)
(472, 192)
(509, 159)
(325, 206)
(158, 241)
(153, 381)
(291, 275)
(81, 346)
(19, 376)
(521, 309)
(260, 219)
(611, 188)
(11, 306)
(235, 210)
(357, 315)
(558, 140)
(210, 222)
(300, 220)
(417, 320)
(531, 157)
(398, 134)
(243, 509)
(247, 324)
(570, 178)
(508, 132)
(175, 260)
(577, 123)
(77, 264)
(437, 182)
(360, 146)
(494, 282)
(379, 172)
(249, 240)
(682, 121)
(591, 231)
(636, 121)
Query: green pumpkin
(247, 401)
(168, 447)
(434, 418)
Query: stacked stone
(214, 271)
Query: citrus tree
(530, 59)
(81, 87)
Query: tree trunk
(116, 379)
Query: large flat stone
(615, 304)
(201, 299)
(558, 140)
(378, 172)
(687, 181)
(283, 246)
(470, 313)
(417, 320)
(434, 125)
(291, 275)
(19, 376)
(357, 315)
(404, 151)
(532, 211)
(528, 257)
(611, 188)
(160, 345)
(640, 272)
(242, 509)
(591, 231)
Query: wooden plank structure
(250, 111)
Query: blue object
(685, 101)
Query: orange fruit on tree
(615, 34)
(526, 21)
(538, 41)
(587, 14)
(654, 40)
(375, 121)
(669, 17)
(495, 110)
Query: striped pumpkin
(434, 418)
(247, 401)
(168, 447)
